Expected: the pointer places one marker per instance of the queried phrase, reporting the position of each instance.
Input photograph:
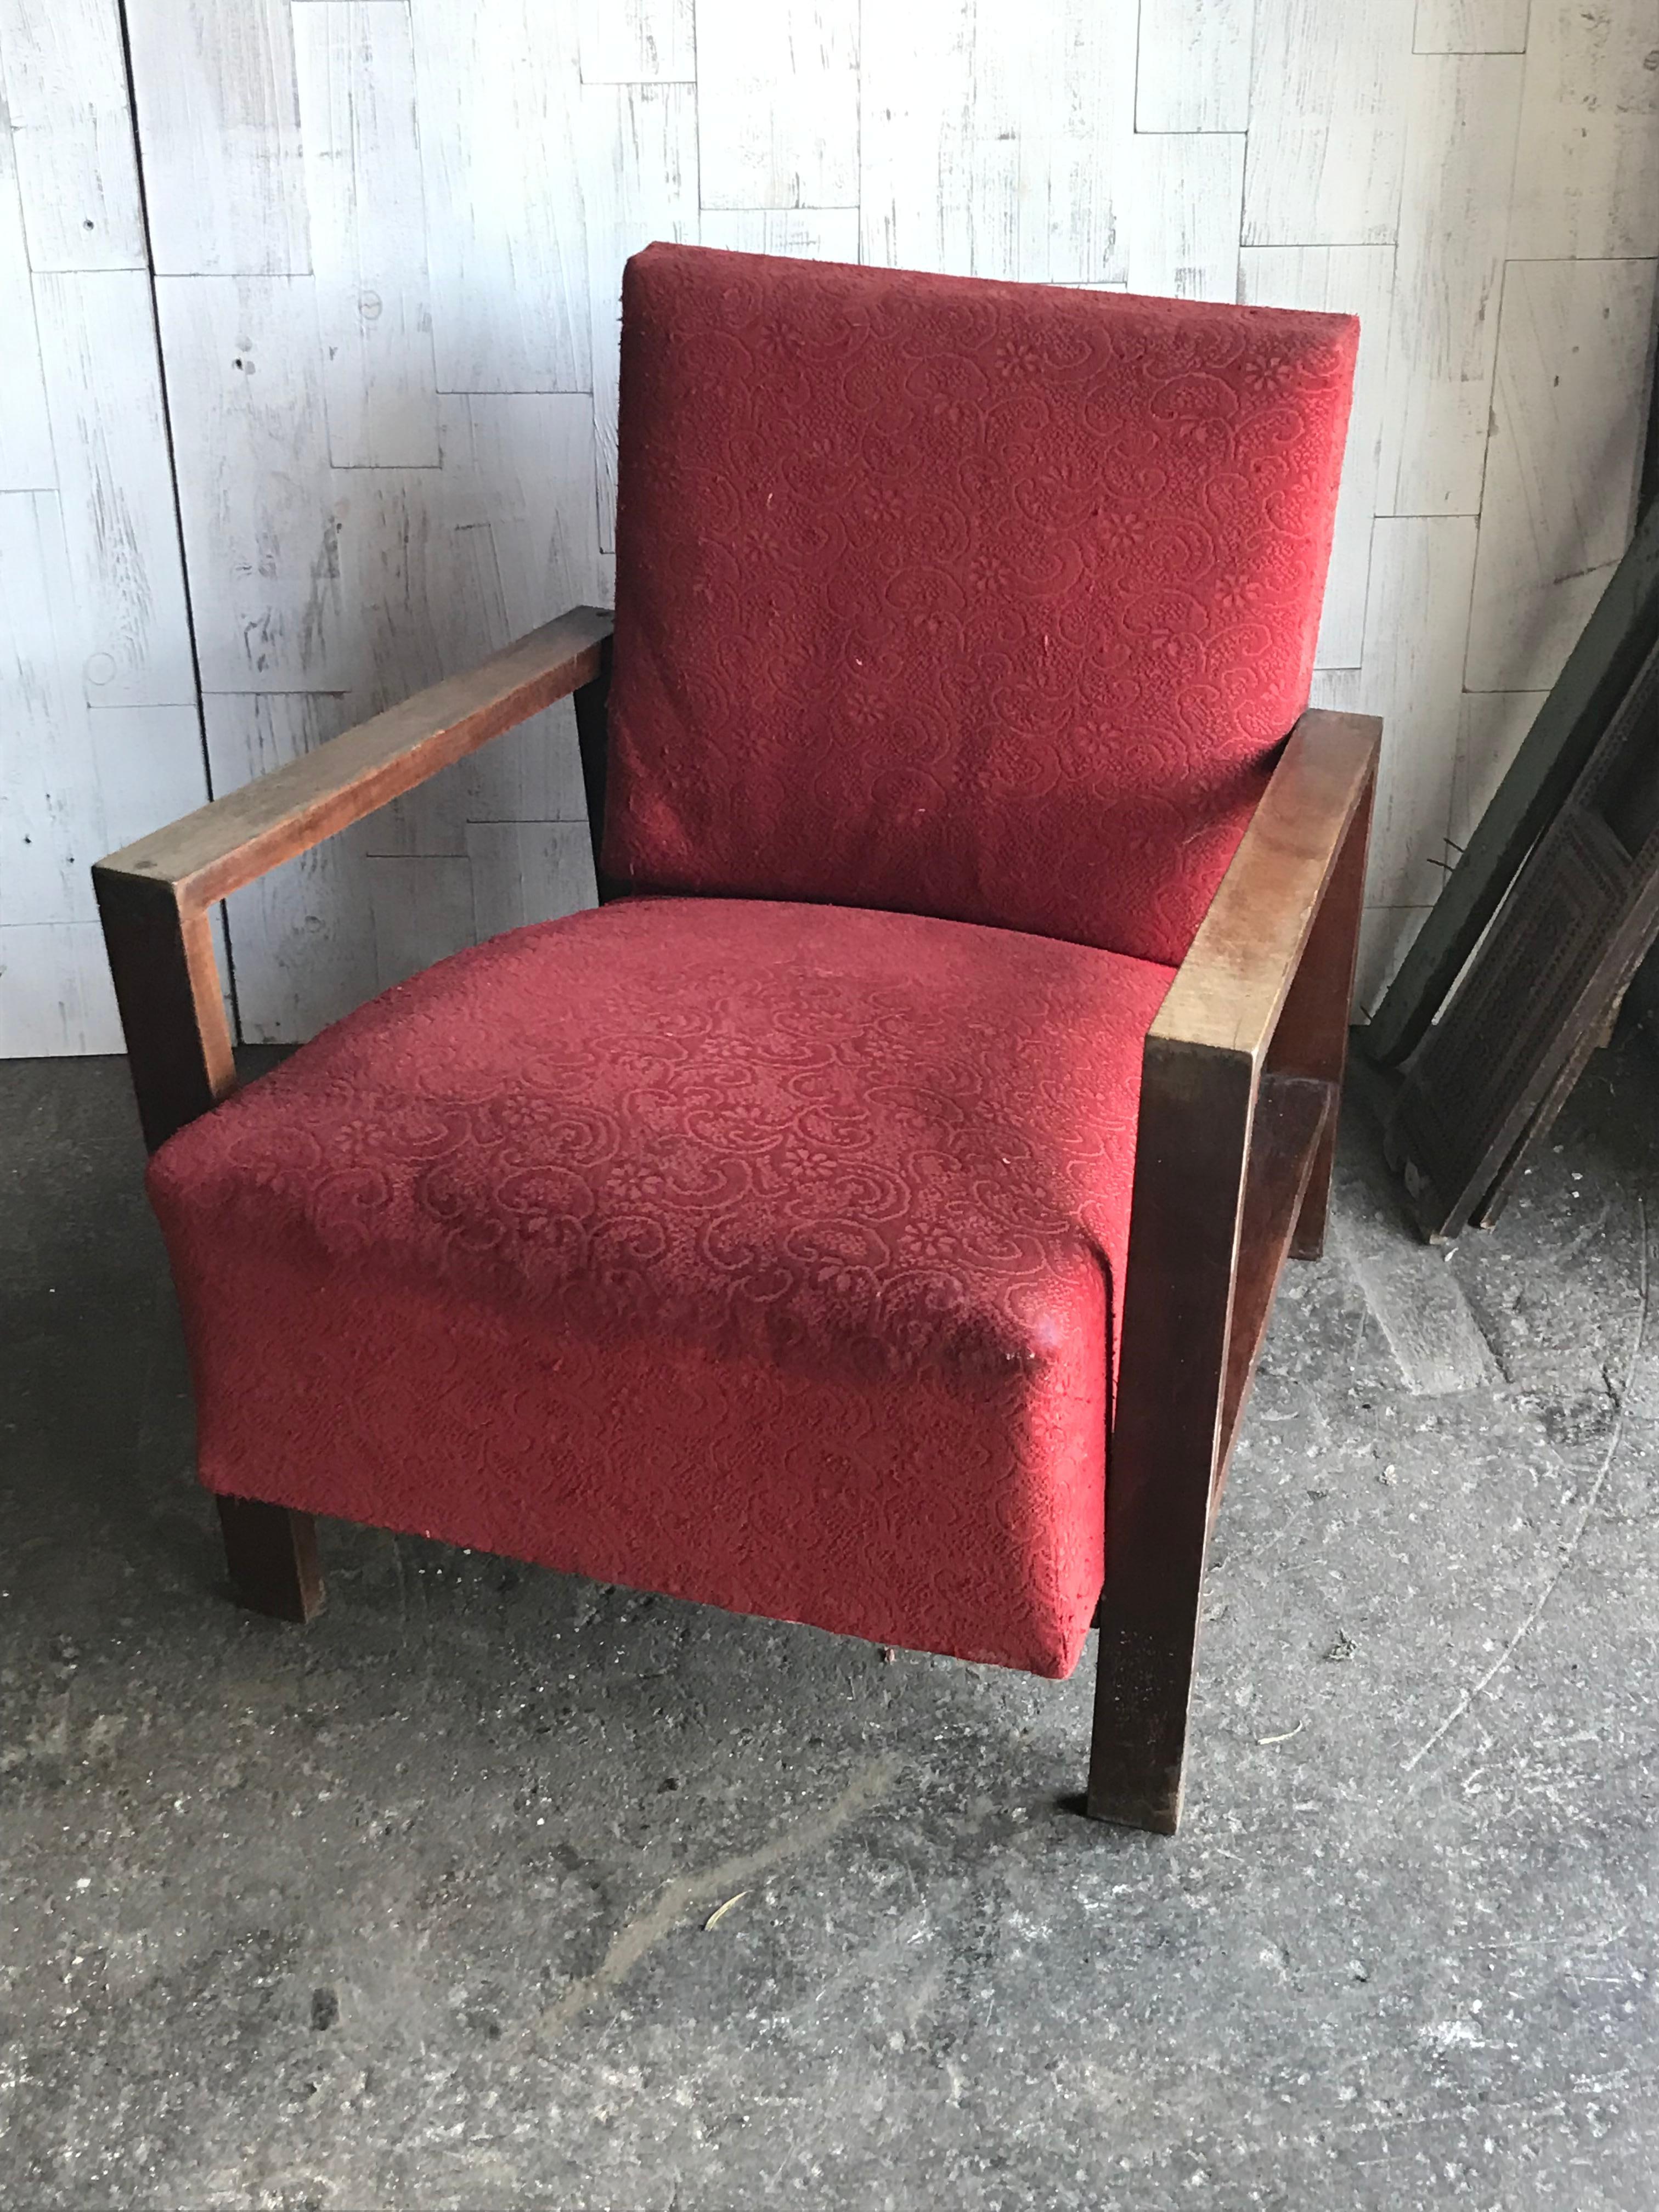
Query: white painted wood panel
(778, 102)
(1193, 65)
(636, 41)
(55, 993)
(26, 455)
(66, 92)
(355, 61)
(807, 233)
(98, 349)
(52, 824)
(916, 187)
(1587, 171)
(264, 531)
(1185, 193)
(1328, 122)
(1385, 938)
(1492, 728)
(1416, 618)
(423, 911)
(496, 83)
(1561, 469)
(219, 121)
(639, 157)
(149, 768)
(1471, 27)
(1343, 279)
(525, 871)
(1447, 272)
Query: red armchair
(779, 1234)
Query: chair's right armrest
(155, 897)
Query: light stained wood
(56, 997)
(265, 527)
(496, 84)
(1185, 243)
(1346, 280)
(639, 158)
(636, 41)
(219, 121)
(1471, 27)
(1328, 122)
(1586, 168)
(1193, 65)
(302, 935)
(778, 103)
(1416, 616)
(115, 483)
(66, 92)
(1491, 726)
(1560, 482)
(355, 61)
(423, 911)
(52, 818)
(524, 872)
(1448, 274)
(809, 234)
(26, 455)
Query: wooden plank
(50, 823)
(1386, 936)
(423, 913)
(1193, 66)
(1349, 280)
(26, 455)
(1567, 725)
(809, 234)
(214, 851)
(1417, 610)
(496, 88)
(1328, 122)
(168, 986)
(1493, 727)
(636, 41)
(1185, 194)
(266, 528)
(1470, 27)
(1418, 1305)
(525, 871)
(114, 477)
(66, 91)
(641, 173)
(916, 203)
(219, 122)
(356, 69)
(1448, 274)
(148, 764)
(56, 997)
(1587, 168)
(778, 103)
(1572, 350)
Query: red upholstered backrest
(982, 600)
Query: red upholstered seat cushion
(758, 1254)
(956, 597)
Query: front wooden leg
(272, 1553)
(1195, 1116)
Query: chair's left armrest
(1230, 989)
(155, 897)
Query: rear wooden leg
(272, 1553)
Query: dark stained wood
(172, 1013)
(223, 846)
(592, 703)
(272, 1553)
(1238, 1089)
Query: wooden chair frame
(1236, 1135)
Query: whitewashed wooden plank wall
(309, 387)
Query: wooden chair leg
(272, 1553)
(1312, 1037)
(1189, 1182)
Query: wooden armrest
(155, 896)
(1229, 990)
(215, 851)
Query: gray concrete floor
(408, 1910)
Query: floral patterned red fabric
(984, 600)
(758, 1254)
